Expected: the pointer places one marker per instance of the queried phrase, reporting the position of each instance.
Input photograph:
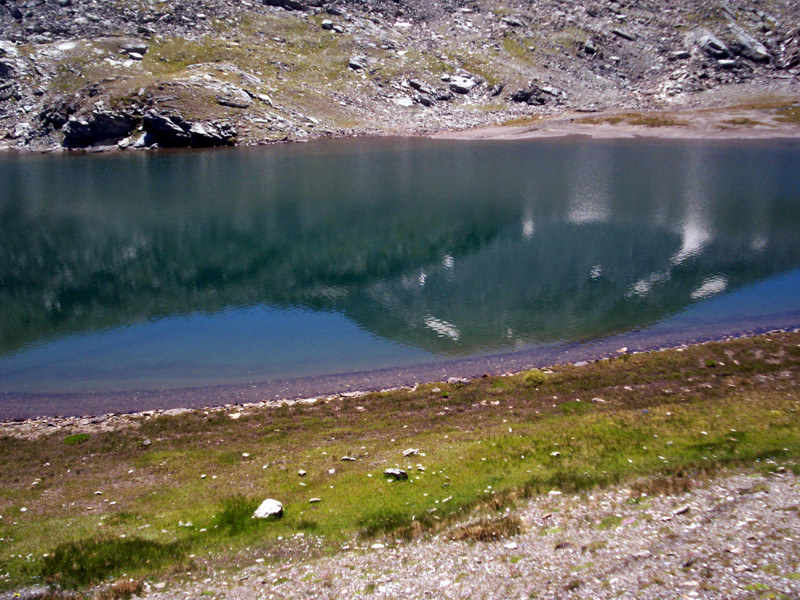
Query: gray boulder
(294, 4)
(7, 90)
(532, 95)
(207, 135)
(57, 112)
(513, 21)
(462, 85)
(165, 131)
(396, 474)
(624, 35)
(21, 131)
(747, 46)
(7, 69)
(8, 49)
(357, 63)
(135, 46)
(790, 52)
(233, 101)
(710, 44)
(287, 4)
(420, 86)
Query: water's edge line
(16, 409)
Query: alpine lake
(163, 271)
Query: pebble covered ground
(736, 536)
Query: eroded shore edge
(109, 411)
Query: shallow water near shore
(158, 271)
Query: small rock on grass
(396, 474)
(269, 508)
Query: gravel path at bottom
(736, 536)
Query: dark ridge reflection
(422, 248)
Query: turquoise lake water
(164, 270)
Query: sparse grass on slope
(110, 506)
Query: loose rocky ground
(738, 536)
(92, 74)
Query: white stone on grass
(269, 508)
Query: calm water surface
(157, 271)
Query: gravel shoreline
(30, 415)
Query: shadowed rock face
(452, 248)
(173, 131)
(99, 127)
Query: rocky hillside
(172, 73)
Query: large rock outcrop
(173, 131)
(100, 127)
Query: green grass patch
(575, 407)
(533, 377)
(76, 438)
(637, 119)
(742, 122)
(523, 121)
(516, 48)
(78, 564)
(789, 115)
(236, 514)
(611, 522)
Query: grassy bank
(171, 497)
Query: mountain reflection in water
(424, 248)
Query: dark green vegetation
(660, 421)
(75, 564)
